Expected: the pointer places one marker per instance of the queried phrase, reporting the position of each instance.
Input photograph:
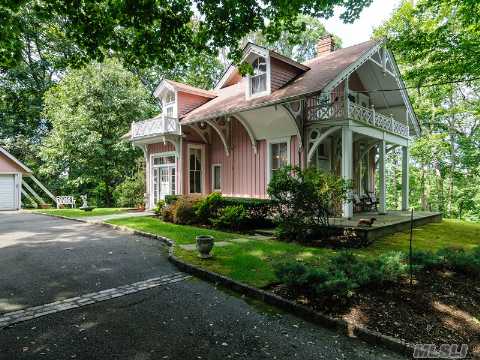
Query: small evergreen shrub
(158, 209)
(207, 207)
(259, 210)
(425, 260)
(343, 276)
(167, 212)
(459, 260)
(233, 218)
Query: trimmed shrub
(170, 199)
(259, 210)
(167, 212)
(232, 218)
(207, 207)
(183, 210)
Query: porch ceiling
(270, 122)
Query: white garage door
(7, 192)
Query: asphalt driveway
(43, 259)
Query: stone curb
(370, 336)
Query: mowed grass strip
(254, 262)
(181, 234)
(78, 213)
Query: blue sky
(361, 30)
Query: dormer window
(258, 81)
(169, 104)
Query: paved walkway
(139, 310)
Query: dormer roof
(232, 76)
(179, 87)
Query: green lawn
(253, 262)
(77, 213)
(181, 234)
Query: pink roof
(191, 89)
(322, 71)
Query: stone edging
(370, 336)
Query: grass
(181, 234)
(77, 213)
(253, 262)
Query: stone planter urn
(204, 246)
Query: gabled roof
(231, 70)
(322, 71)
(176, 86)
(14, 159)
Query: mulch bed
(440, 308)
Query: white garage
(11, 173)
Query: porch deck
(391, 222)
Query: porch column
(347, 166)
(381, 172)
(405, 188)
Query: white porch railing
(376, 119)
(319, 109)
(160, 125)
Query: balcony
(160, 125)
(320, 109)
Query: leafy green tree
(438, 39)
(90, 109)
(436, 46)
(296, 45)
(146, 33)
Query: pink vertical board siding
(243, 172)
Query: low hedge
(257, 214)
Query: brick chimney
(325, 45)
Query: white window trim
(270, 142)
(213, 178)
(151, 170)
(202, 172)
(268, 90)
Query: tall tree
(145, 33)
(90, 109)
(434, 43)
(296, 45)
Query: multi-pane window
(216, 178)
(258, 80)
(195, 170)
(279, 155)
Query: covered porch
(391, 222)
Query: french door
(164, 177)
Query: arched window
(259, 77)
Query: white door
(7, 192)
(164, 182)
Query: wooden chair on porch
(371, 201)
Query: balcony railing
(321, 109)
(161, 125)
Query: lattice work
(156, 126)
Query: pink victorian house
(341, 112)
